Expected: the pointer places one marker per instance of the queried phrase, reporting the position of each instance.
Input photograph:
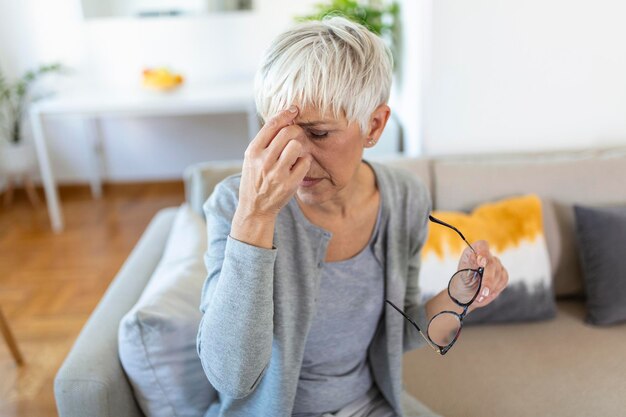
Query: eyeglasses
(464, 286)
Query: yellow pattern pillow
(514, 229)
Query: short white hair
(335, 65)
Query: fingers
(289, 156)
(495, 276)
(476, 256)
(503, 280)
(272, 127)
(300, 168)
(495, 279)
(276, 147)
(483, 255)
(292, 160)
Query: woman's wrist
(253, 229)
(440, 302)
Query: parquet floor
(50, 283)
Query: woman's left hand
(495, 276)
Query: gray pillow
(601, 234)
(157, 337)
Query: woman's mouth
(309, 181)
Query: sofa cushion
(157, 337)
(418, 166)
(560, 179)
(601, 240)
(513, 227)
(559, 367)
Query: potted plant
(17, 158)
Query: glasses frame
(442, 350)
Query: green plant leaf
(15, 97)
(373, 14)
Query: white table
(93, 105)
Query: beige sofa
(560, 367)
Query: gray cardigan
(258, 304)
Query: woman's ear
(377, 123)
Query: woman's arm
(236, 331)
(235, 334)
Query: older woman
(309, 240)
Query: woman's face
(336, 148)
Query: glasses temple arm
(414, 325)
(435, 220)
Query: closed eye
(318, 135)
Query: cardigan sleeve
(419, 207)
(234, 340)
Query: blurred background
(474, 76)
(122, 96)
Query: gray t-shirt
(335, 370)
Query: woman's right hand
(273, 167)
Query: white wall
(477, 76)
(111, 54)
(511, 75)
(408, 94)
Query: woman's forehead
(312, 116)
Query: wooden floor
(50, 283)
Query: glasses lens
(443, 328)
(464, 285)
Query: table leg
(93, 126)
(52, 199)
(30, 190)
(8, 336)
(8, 193)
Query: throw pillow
(601, 234)
(514, 229)
(157, 337)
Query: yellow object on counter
(161, 79)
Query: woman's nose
(306, 142)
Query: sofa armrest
(201, 178)
(91, 382)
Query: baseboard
(115, 187)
